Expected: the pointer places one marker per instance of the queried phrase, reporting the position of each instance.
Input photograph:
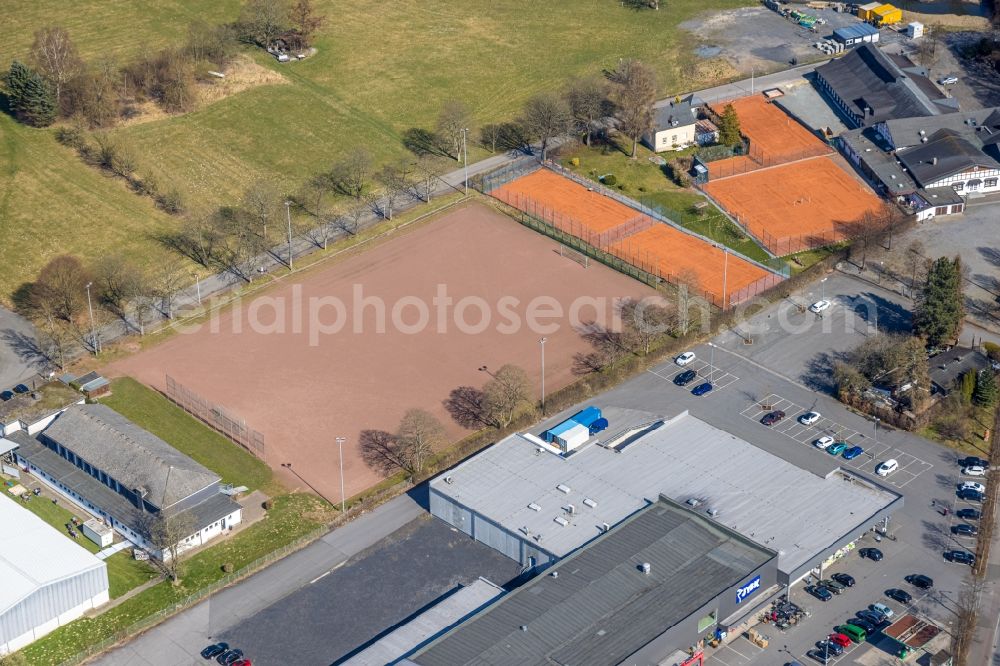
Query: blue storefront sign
(748, 589)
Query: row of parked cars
(970, 491)
(866, 622)
(225, 655)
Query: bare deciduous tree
(54, 56)
(688, 287)
(63, 284)
(165, 533)
(304, 18)
(350, 175)
(454, 118)
(633, 95)
(490, 135)
(419, 434)
(588, 103)
(428, 174)
(165, 281)
(646, 321)
(264, 20)
(505, 394)
(261, 203)
(545, 116)
(395, 184)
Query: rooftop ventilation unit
(589, 502)
(922, 132)
(524, 531)
(563, 488)
(534, 507)
(713, 512)
(693, 502)
(449, 480)
(646, 568)
(570, 509)
(562, 521)
(605, 527)
(554, 574)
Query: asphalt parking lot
(369, 595)
(783, 369)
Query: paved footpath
(178, 641)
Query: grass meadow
(380, 69)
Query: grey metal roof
(871, 148)
(75, 479)
(945, 368)
(866, 77)
(855, 31)
(601, 607)
(946, 153)
(684, 112)
(135, 457)
(976, 126)
(443, 615)
(756, 493)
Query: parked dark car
(21, 388)
(820, 592)
(968, 514)
(772, 417)
(702, 389)
(833, 586)
(227, 658)
(871, 616)
(819, 656)
(873, 554)
(964, 529)
(960, 557)
(970, 495)
(859, 621)
(685, 378)
(846, 580)
(973, 461)
(902, 596)
(214, 650)
(921, 581)
(6, 395)
(831, 647)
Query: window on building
(957, 208)
(958, 187)
(941, 210)
(990, 182)
(706, 622)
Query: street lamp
(541, 343)
(465, 157)
(343, 498)
(288, 216)
(822, 284)
(93, 330)
(197, 284)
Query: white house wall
(963, 179)
(674, 137)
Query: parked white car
(809, 418)
(684, 358)
(823, 442)
(972, 485)
(975, 470)
(888, 467)
(948, 80)
(820, 306)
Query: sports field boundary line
(251, 289)
(656, 215)
(773, 166)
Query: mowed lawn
(380, 69)
(155, 413)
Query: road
(20, 357)
(177, 641)
(750, 86)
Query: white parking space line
(910, 466)
(719, 378)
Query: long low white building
(46, 580)
(536, 506)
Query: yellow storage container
(865, 11)
(888, 15)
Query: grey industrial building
(537, 507)
(125, 475)
(869, 86)
(46, 580)
(642, 594)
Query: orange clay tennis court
(640, 240)
(795, 206)
(775, 137)
(669, 253)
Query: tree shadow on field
(891, 317)
(420, 142)
(608, 346)
(990, 254)
(467, 407)
(819, 372)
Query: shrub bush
(227, 567)
(992, 350)
(267, 505)
(610, 180)
(575, 161)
